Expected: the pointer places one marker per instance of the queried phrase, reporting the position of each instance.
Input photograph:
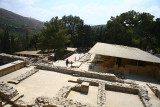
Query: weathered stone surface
(7, 92)
(58, 102)
(155, 90)
(21, 103)
(23, 76)
(158, 93)
(64, 91)
(77, 87)
(101, 99)
(143, 94)
(10, 67)
(85, 87)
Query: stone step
(73, 81)
(16, 98)
(13, 81)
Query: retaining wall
(7, 68)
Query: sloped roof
(35, 53)
(71, 49)
(123, 52)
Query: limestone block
(158, 93)
(85, 87)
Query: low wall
(130, 88)
(155, 90)
(7, 68)
(98, 75)
(7, 58)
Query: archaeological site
(105, 76)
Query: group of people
(67, 62)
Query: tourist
(71, 63)
(67, 62)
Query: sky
(93, 12)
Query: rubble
(58, 102)
(155, 90)
(7, 92)
(101, 99)
(64, 91)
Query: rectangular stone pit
(121, 99)
(90, 97)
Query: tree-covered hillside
(131, 28)
(18, 25)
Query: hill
(98, 26)
(18, 24)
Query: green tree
(26, 38)
(34, 41)
(54, 36)
(6, 42)
(85, 36)
(12, 44)
(131, 29)
(72, 23)
(146, 29)
(1, 42)
(157, 32)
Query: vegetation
(132, 28)
(54, 36)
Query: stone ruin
(6, 58)
(108, 81)
(18, 79)
(155, 90)
(8, 93)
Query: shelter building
(124, 60)
(34, 54)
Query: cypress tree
(6, 42)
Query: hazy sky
(91, 11)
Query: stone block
(158, 93)
(85, 87)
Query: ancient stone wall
(108, 64)
(7, 68)
(7, 58)
(98, 75)
(129, 88)
(155, 90)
